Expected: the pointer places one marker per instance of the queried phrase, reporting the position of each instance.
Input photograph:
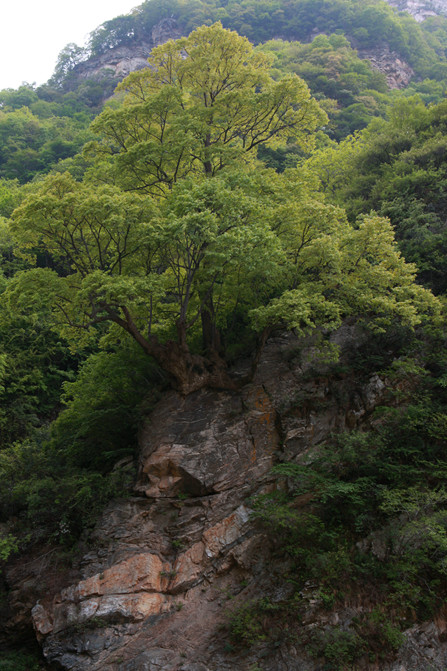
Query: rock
(117, 63)
(420, 9)
(41, 620)
(215, 443)
(164, 30)
(397, 72)
(173, 559)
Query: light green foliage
(170, 268)
(8, 545)
(398, 168)
(197, 114)
(239, 238)
(346, 86)
(9, 197)
(344, 271)
(122, 249)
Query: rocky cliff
(167, 566)
(398, 72)
(117, 63)
(420, 9)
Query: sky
(33, 32)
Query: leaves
(207, 101)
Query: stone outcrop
(174, 559)
(420, 9)
(117, 63)
(397, 72)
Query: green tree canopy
(398, 168)
(202, 236)
(206, 101)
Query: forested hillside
(279, 171)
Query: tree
(204, 236)
(70, 56)
(206, 102)
(397, 168)
(149, 268)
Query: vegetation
(397, 166)
(362, 21)
(352, 91)
(164, 263)
(224, 192)
(19, 661)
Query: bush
(19, 661)
(103, 407)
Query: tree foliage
(398, 168)
(205, 102)
(173, 269)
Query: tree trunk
(211, 340)
(188, 371)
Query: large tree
(201, 235)
(206, 102)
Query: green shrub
(50, 498)
(248, 623)
(339, 647)
(19, 661)
(104, 406)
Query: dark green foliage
(370, 637)
(340, 648)
(34, 363)
(103, 407)
(57, 484)
(19, 661)
(251, 623)
(367, 513)
(51, 499)
(39, 127)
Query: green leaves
(203, 236)
(206, 102)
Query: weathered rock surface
(420, 9)
(120, 61)
(397, 72)
(171, 561)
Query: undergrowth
(362, 520)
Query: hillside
(223, 363)
(421, 9)
(370, 27)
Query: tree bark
(211, 340)
(190, 372)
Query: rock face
(171, 561)
(117, 63)
(420, 9)
(397, 72)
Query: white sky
(33, 32)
